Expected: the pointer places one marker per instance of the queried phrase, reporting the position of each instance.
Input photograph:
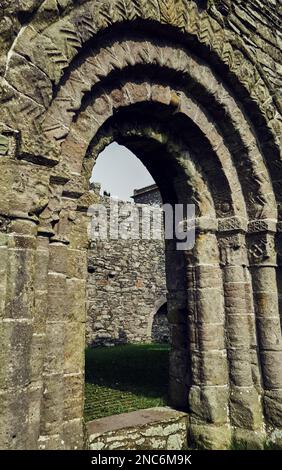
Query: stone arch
(160, 327)
(75, 76)
(158, 304)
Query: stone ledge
(154, 428)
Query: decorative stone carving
(262, 249)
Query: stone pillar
(208, 397)
(61, 416)
(74, 223)
(74, 349)
(25, 194)
(51, 429)
(246, 416)
(279, 267)
(38, 338)
(4, 354)
(180, 361)
(16, 328)
(262, 256)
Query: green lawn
(125, 378)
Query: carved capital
(206, 224)
(261, 249)
(262, 226)
(232, 224)
(233, 249)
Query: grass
(125, 378)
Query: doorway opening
(127, 360)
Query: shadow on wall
(160, 326)
(109, 341)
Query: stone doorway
(180, 84)
(115, 249)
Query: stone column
(25, 194)
(38, 338)
(4, 354)
(51, 429)
(180, 361)
(74, 222)
(246, 414)
(16, 327)
(208, 397)
(279, 267)
(263, 259)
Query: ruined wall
(126, 286)
(149, 195)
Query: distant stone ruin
(126, 286)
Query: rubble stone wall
(152, 429)
(126, 287)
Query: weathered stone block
(76, 294)
(15, 338)
(52, 405)
(73, 432)
(57, 301)
(73, 396)
(54, 348)
(240, 370)
(210, 436)
(270, 333)
(58, 254)
(37, 353)
(266, 303)
(246, 408)
(19, 289)
(209, 404)
(210, 368)
(271, 362)
(40, 312)
(273, 407)
(14, 429)
(206, 336)
(76, 264)
(74, 345)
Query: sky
(120, 172)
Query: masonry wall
(126, 289)
(152, 429)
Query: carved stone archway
(175, 77)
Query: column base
(245, 439)
(210, 437)
(274, 439)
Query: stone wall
(148, 195)
(126, 287)
(152, 429)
